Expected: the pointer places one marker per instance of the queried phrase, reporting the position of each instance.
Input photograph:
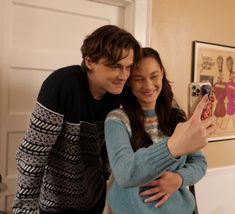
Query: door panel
(37, 37)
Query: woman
(144, 144)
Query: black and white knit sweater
(62, 157)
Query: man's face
(104, 78)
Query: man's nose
(124, 73)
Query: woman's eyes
(138, 79)
(154, 77)
(141, 80)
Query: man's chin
(116, 90)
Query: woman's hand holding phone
(191, 136)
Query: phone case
(196, 91)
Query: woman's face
(146, 82)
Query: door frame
(138, 17)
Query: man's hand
(162, 188)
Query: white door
(37, 37)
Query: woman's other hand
(162, 188)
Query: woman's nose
(148, 84)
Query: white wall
(175, 24)
(216, 191)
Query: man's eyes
(120, 67)
(116, 66)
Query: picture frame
(216, 63)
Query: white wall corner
(138, 16)
(215, 191)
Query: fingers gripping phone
(196, 91)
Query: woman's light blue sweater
(133, 169)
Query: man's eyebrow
(119, 64)
(136, 75)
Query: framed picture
(215, 63)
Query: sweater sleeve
(131, 168)
(44, 128)
(194, 169)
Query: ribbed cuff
(187, 177)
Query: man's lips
(119, 83)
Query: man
(62, 160)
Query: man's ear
(88, 62)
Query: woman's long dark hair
(168, 115)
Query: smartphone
(196, 91)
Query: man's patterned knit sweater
(61, 161)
